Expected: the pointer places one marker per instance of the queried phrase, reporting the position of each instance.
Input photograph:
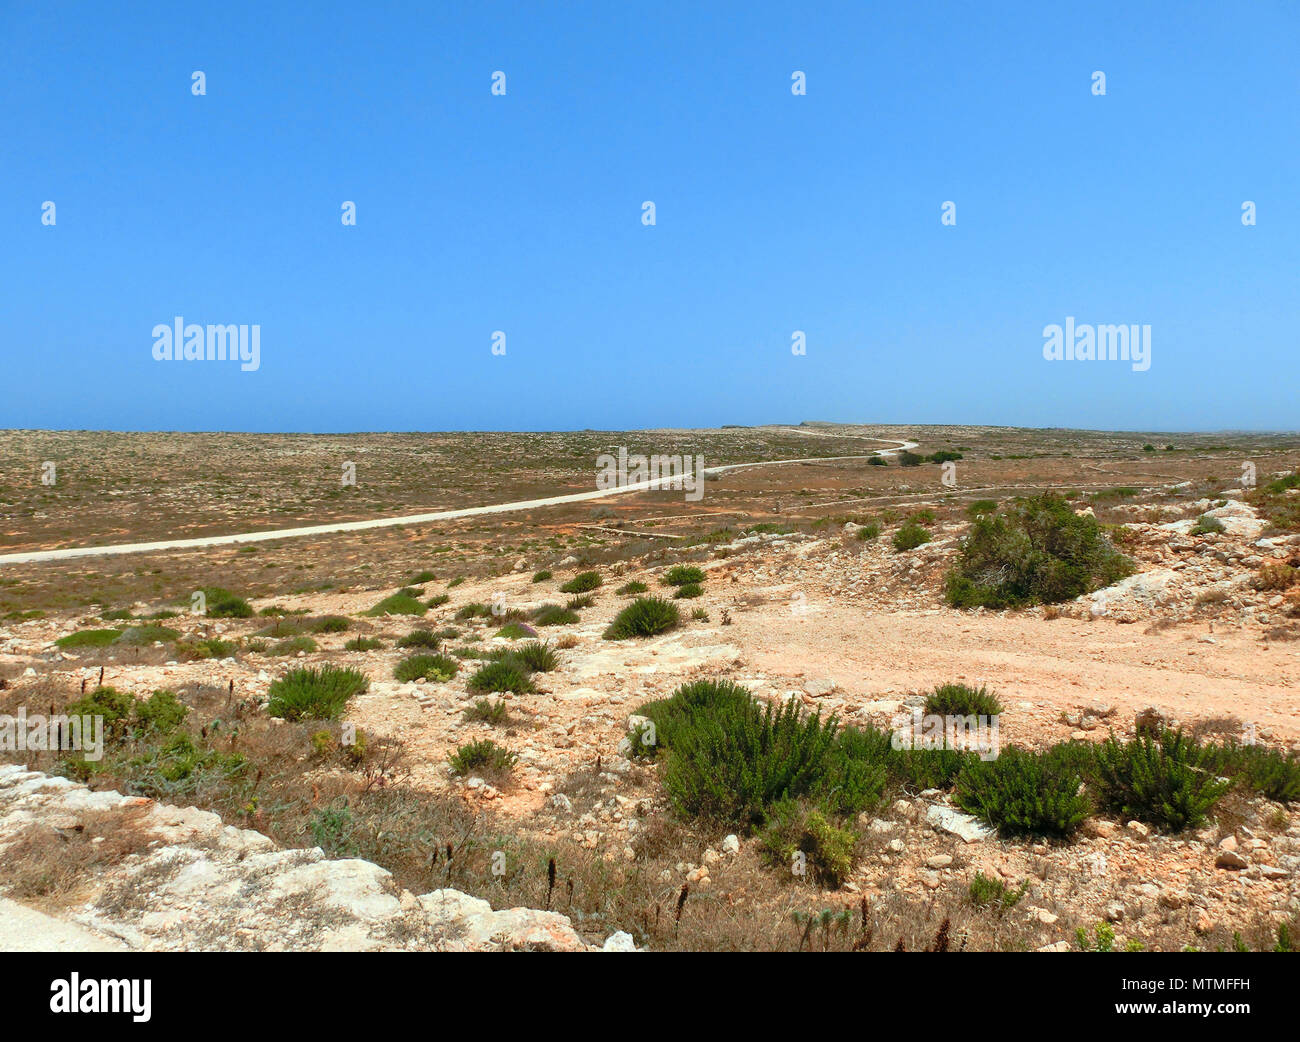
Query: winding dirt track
(31, 556)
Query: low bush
(583, 582)
(1039, 551)
(419, 639)
(542, 576)
(1024, 793)
(910, 536)
(438, 668)
(634, 587)
(400, 603)
(485, 711)
(1169, 781)
(828, 851)
(554, 615)
(222, 604)
(868, 531)
(88, 639)
(507, 674)
(363, 644)
(688, 590)
(314, 693)
(482, 756)
(1205, 525)
(644, 617)
(681, 574)
(962, 700)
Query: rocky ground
(845, 625)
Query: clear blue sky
(523, 213)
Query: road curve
(32, 556)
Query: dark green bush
(88, 639)
(681, 574)
(554, 615)
(507, 674)
(583, 582)
(419, 639)
(1024, 793)
(363, 644)
(910, 536)
(729, 767)
(484, 711)
(314, 694)
(330, 624)
(1269, 772)
(635, 586)
(644, 617)
(688, 590)
(962, 700)
(536, 656)
(1039, 551)
(400, 603)
(222, 604)
(542, 576)
(438, 668)
(482, 755)
(1170, 782)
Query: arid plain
(808, 599)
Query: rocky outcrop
(197, 884)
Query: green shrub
(1169, 782)
(1270, 772)
(944, 456)
(877, 461)
(314, 693)
(910, 536)
(981, 507)
(293, 645)
(991, 892)
(438, 668)
(1038, 552)
(730, 767)
(516, 631)
(502, 675)
(962, 700)
(828, 851)
(635, 586)
(909, 459)
(420, 578)
(927, 768)
(474, 610)
(202, 650)
(330, 624)
(116, 707)
(222, 604)
(868, 531)
(554, 615)
(161, 713)
(542, 576)
(1206, 524)
(688, 590)
(419, 639)
(537, 656)
(88, 639)
(1023, 793)
(644, 617)
(583, 582)
(482, 755)
(582, 600)
(400, 603)
(363, 644)
(484, 711)
(437, 600)
(681, 574)
(140, 636)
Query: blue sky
(522, 213)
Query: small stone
(1230, 859)
(938, 861)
